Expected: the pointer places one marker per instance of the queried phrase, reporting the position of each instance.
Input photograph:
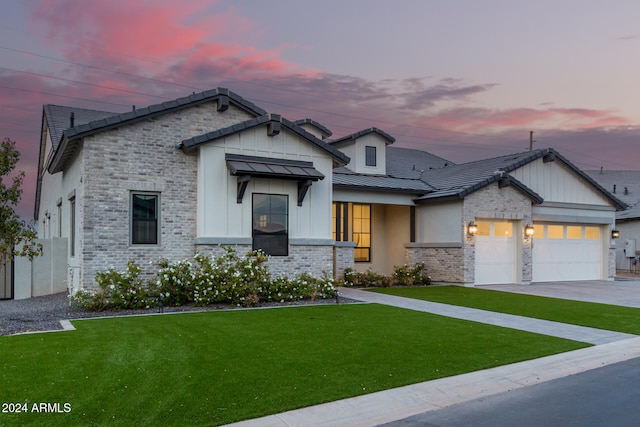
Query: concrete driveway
(623, 292)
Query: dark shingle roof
(631, 214)
(460, 180)
(411, 163)
(622, 179)
(58, 119)
(71, 136)
(269, 119)
(346, 179)
(323, 130)
(352, 137)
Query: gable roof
(460, 180)
(58, 119)
(71, 136)
(275, 123)
(323, 130)
(352, 137)
(404, 168)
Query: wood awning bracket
(242, 186)
(303, 187)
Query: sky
(462, 79)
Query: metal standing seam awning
(247, 167)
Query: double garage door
(567, 252)
(560, 252)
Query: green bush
(405, 275)
(116, 290)
(228, 278)
(175, 282)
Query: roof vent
(72, 119)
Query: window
(370, 155)
(502, 229)
(271, 224)
(574, 232)
(60, 219)
(144, 218)
(340, 221)
(484, 228)
(362, 232)
(72, 226)
(555, 231)
(592, 233)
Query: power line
(63, 96)
(84, 83)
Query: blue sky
(462, 79)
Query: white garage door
(566, 252)
(495, 253)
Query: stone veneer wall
(142, 157)
(343, 258)
(611, 272)
(500, 203)
(316, 260)
(442, 264)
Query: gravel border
(41, 314)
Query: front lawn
(601, 316)
(218, 367)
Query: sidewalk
(391, 405)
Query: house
(518, 218)
(212, 169)
(625, 185)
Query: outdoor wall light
(528, 230)
(472, 228)
(615, 234)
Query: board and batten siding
(219, 215)
(555, 182)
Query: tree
(17, 238)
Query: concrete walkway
(538, 326)
(391, 405)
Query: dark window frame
(72, 227)
(271, 243)
(366, 249)
(149, 239)
(370, 156)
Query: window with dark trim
(340, 221)
(59, 219)
(270, 231)
(370, 155)
(72, 226)
(144, 218)
(362, 232)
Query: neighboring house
(624, 184)
(212, 169)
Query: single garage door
(495, 253)
(566, 252)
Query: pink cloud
(153, 36)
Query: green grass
(218, 367)
(602, 316)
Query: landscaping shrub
(228, 278)
(175, 282)
(405, 275)
(116, 290)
